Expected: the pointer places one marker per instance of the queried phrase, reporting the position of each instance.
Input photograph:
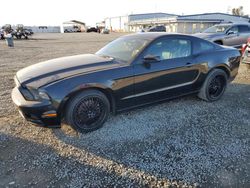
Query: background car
(157, 28)
(28, 32)
(92, 29)
(105, 31)
(227, 34)
(20, 32)
(67, 31)
(132, 71)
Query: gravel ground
(181, 143)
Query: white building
(174, 23)
(118, 24)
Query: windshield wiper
(107, 56)
(112, 58)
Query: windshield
(124, 49)
(217, 29)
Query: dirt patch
(185, 141)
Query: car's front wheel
(214, 86)
(87, 111)
(218, 42)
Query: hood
(49, 71)
(208, 35)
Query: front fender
(97, 86)
(62, 90)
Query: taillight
(244, 47)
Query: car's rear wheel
(87, 111)
(214, 86)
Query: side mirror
(151, 58)
(148, 59)
(230, 32)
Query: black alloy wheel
(214, 86)
(88, 111)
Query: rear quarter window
(203, 46)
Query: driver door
(232, 38)
(170, 74)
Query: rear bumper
(35, 111)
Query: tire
(214, 86)
(87, 111)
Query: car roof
(242, 24)
(224, 24)
(155, 35)
(232, 24)
(151, 36)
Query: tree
(239, 12)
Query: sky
(54, 12)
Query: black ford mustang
(129, 72)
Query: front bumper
(36, 111)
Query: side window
(234, 29)
(243, 29)
(202, 46)
(170, 49)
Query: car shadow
(25, 163)
(185, 139)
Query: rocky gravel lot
(185, 142)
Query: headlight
(27, 94)
(44, 95)
(31, 94)
(35, 94)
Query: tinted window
(234, 29)
(203, 46)
(124, 49)
(243, 28)
(170, 48)
(217, 29)
(157, 28)
(160, 27)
